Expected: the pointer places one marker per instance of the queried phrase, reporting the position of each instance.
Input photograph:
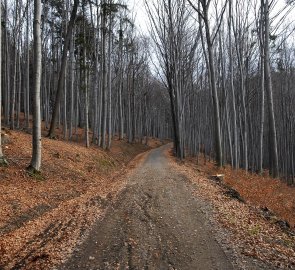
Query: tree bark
(217, 132)
(232, 90)
(36, 138)
(2, 159)
(121, 73)
(27, 96)
(273, 148)
(60, 83)
(110, 82)
(104, 77)
(262, 85)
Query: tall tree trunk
(60, 82)
(13, 93)
(27, 96)
(36, 138)
(65, 86)
(96, 76)
(121, 73)
(232, 90)
(19, 87)
(85, 75)
(7, 70)
(262, 85)
(133, 132)
(273, 148)
(2, 159)
(110, 82)
(217, 132)
(19, 70)
(104, 76)
(72, 79)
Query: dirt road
(155, 223)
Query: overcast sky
(141, 19)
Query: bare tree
(203, 11)
(35, 164)
(2, 159)
(175, 44)
(274, 162)
(27, 96)
(104, 73)
(110, 41)
(61, 77)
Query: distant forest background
(228, 67)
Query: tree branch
(196, 9)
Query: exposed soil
(42, 220)
(155, 223)
(256, 237)
(159, 214)
(69, 170)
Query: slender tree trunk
(244, 111)
(36, 138)
(128, 108)
(72, 80)
(95, 126)
(262, 84)
(65, 120)
(104, 77)
(273, 148)
(65, 101)
(27, 96)
(218, 147)
(7, 70)
(85, 75)
(110, 82)
(121, 73)
(133, 132)
(19, 70)
(232, 90)
(13, 93)
(19, 87)
(60, 82)
(2, 159)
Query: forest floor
(155, 223)
(169, 216)
(253, 215)
(43, 218)
(121, 210)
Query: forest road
(155, 223)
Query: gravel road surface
(155, 223)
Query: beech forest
(227, 66)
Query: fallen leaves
(250, 233)
(41, 222)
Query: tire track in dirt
(155, 223)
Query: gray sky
(141, 19)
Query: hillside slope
(41, 220)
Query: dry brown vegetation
(252, 231)
(43, 217)
(261, 191)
